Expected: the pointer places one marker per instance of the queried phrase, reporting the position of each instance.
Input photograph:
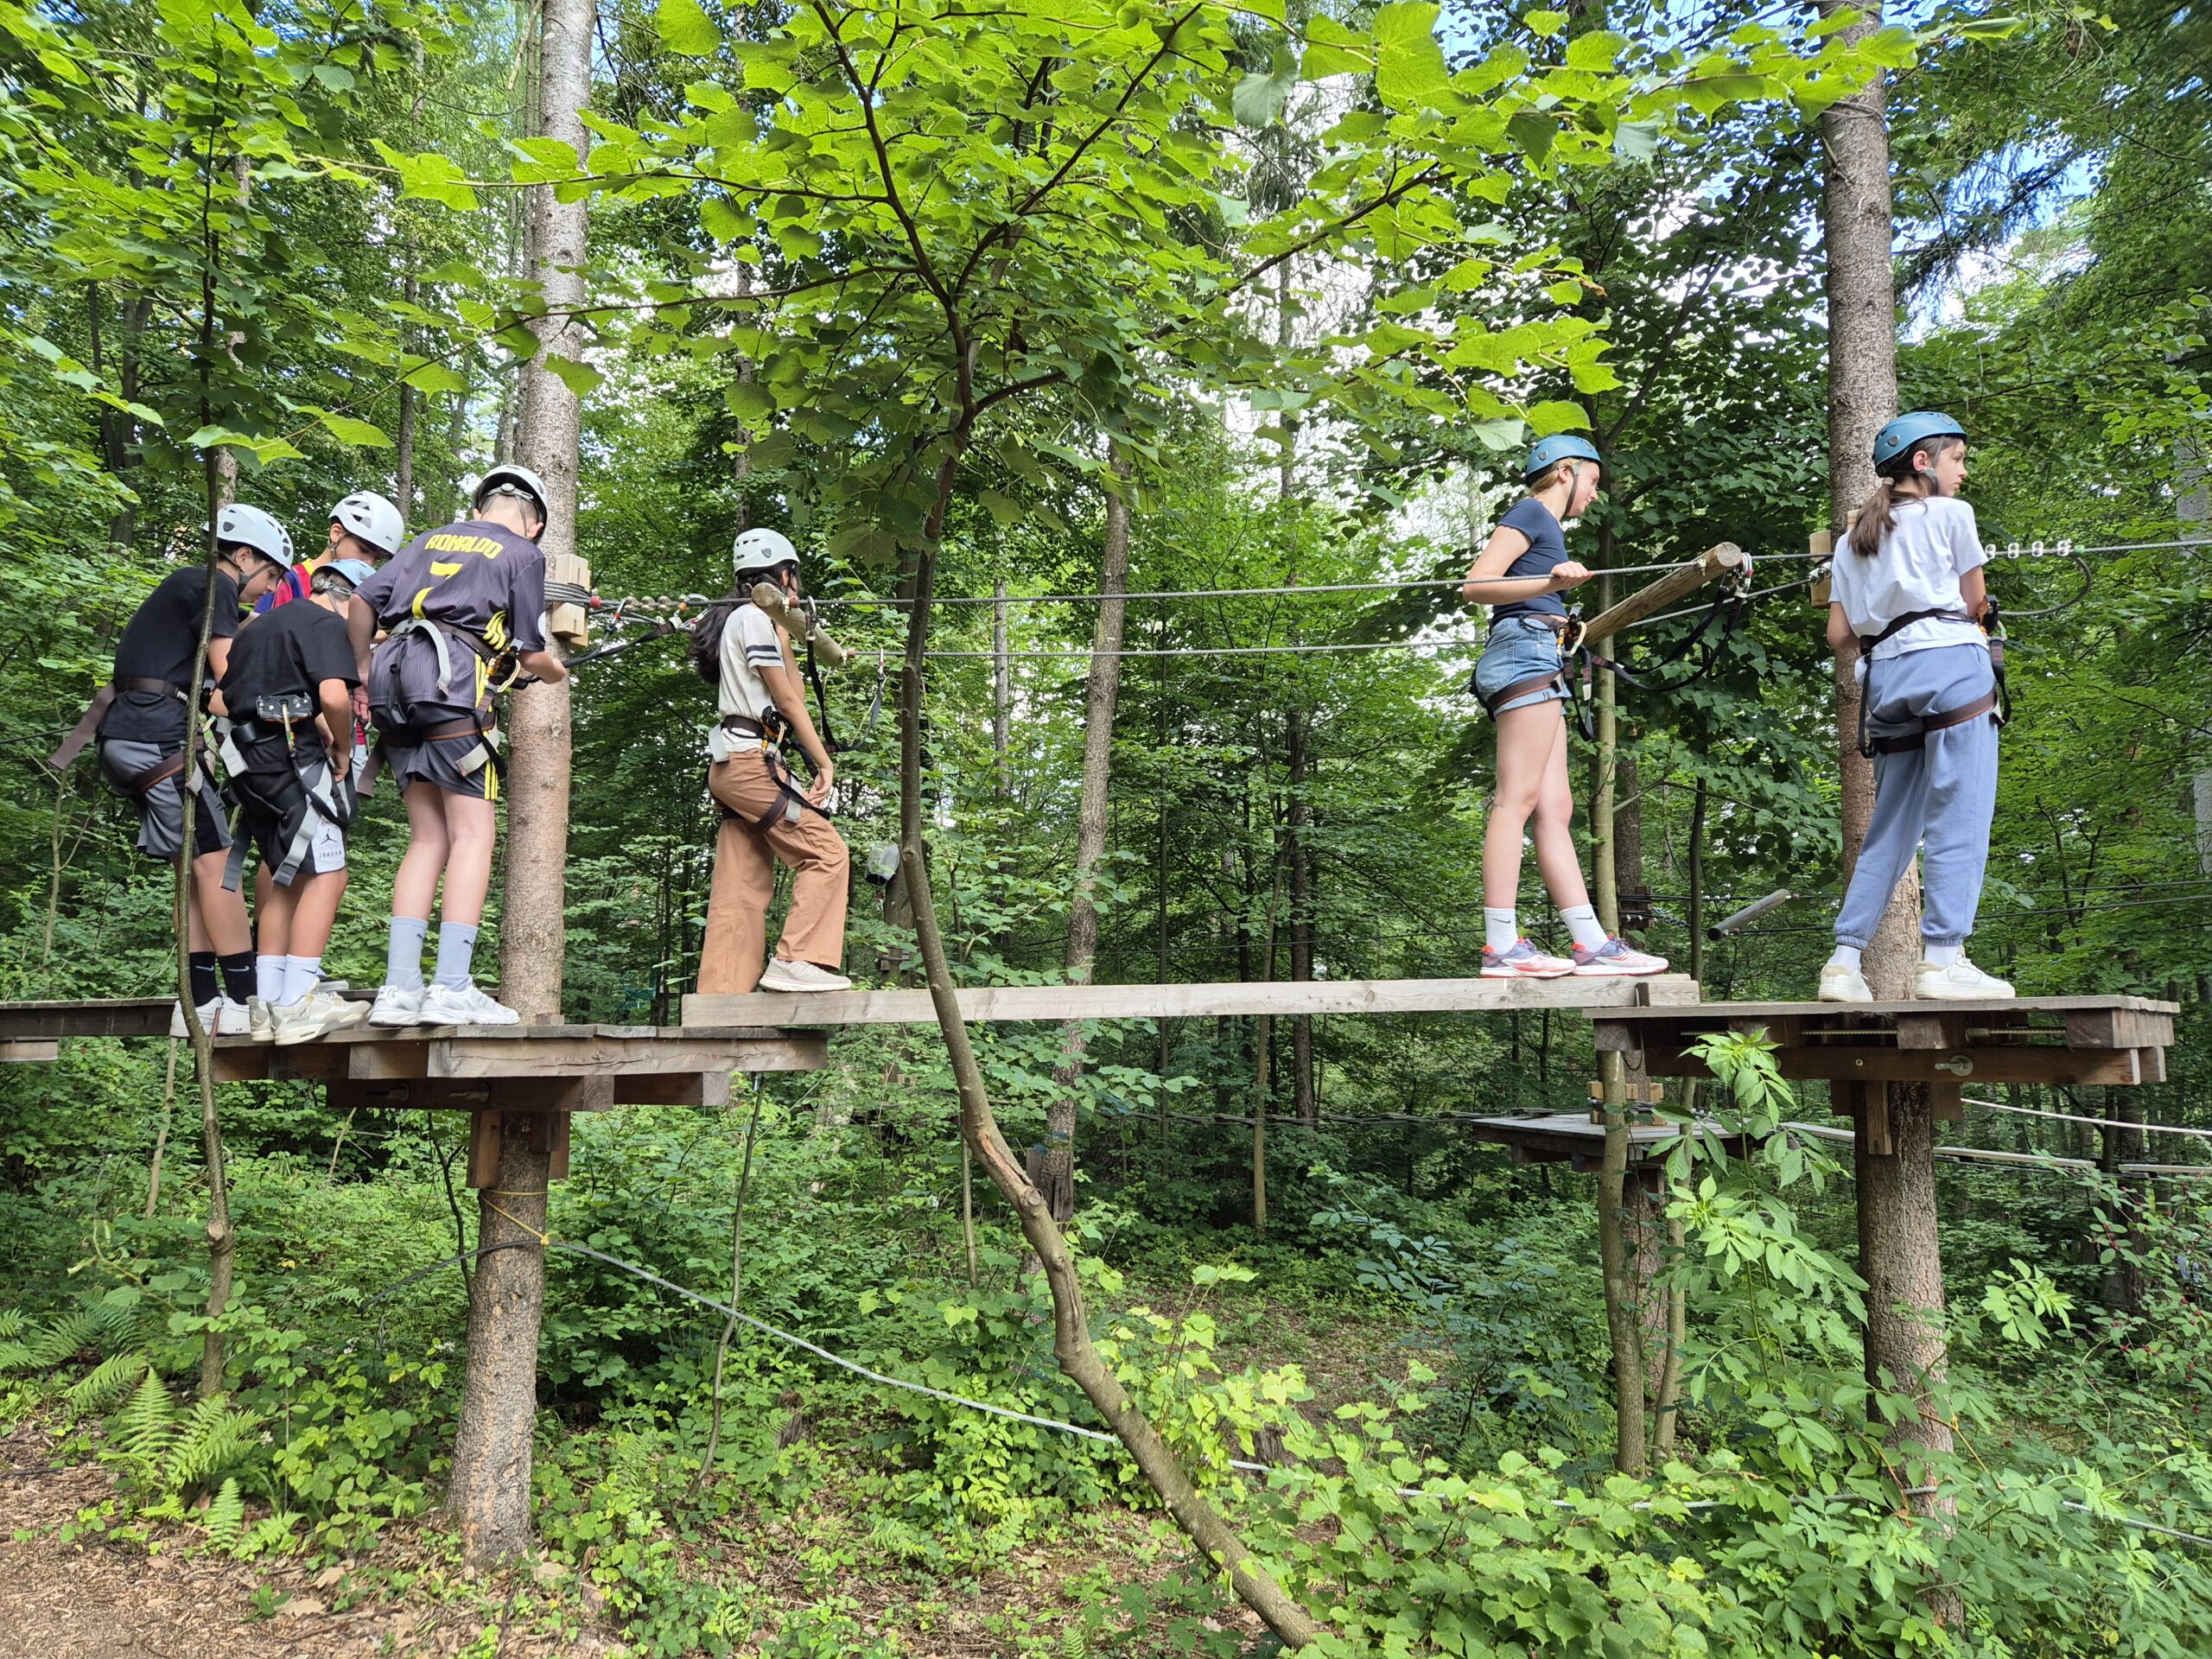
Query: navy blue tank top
(1546, 548)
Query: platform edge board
(2072, 1065)
(1723, 1012)
(48, 1021)
(983, 1003)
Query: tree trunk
(1099, 697)
(2122, 1289)
(1071, 1345)
(488, 1498)
(1899, 1253)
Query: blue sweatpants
(1941, 797)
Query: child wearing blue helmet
(1907, 597)
(1520, 573)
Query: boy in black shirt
(288, 691)
(143, 722)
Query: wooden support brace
(30, 1051)
(484, 1137)
(1945, 1103)
(1654, 597)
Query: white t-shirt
(749, 642)
(1931, 544)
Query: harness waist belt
(1918, 740)
(1521, 687)
(1871, 746)
(96, 711)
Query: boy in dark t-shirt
(289, 692)
(456, 599)
(143, 722)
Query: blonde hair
(1560, 470)
(1878, 517)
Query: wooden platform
(1279, 997)
(2055, 1040)
(1573, 1137)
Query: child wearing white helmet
(455, 601)
(143, 725)
(288, 690)
(364, 527)
(1908, 599)
(1521, 678)
(766, 816)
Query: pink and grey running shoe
(1524, 961)
(1616, 955)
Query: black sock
(238, 976)
(203, 977)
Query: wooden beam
(129, 1016)
(672, 1049)
(1933, 1066)
(1654, 597)
(1847, 1013)
(28, 1050)
(1060, 1002)
(673, 1089)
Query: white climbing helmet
(507, 479)
(758, 551)
(369, 516)
(238, 526)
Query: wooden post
(1648, 601)
(487, 1499)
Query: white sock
(1582, 922)
(1500, 928)
(268, 978)
(1941, 956)
(1847, 956)
(300, 973)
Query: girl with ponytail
(1907, 597)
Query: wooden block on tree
(1945, 1103)
(1934, 1030)
(484, 1138)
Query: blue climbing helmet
(1563, 446)
(1907, 432)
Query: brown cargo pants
(736, 949)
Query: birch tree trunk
(488, 1498)
(1899, 1253)
(1103, 688)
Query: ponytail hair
(1878, 518)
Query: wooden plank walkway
(1279, 997)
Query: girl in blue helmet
(1906, 599)
(1520, 573)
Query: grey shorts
(441, 762)
(1519, 648)
(161, 808)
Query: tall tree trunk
(1900, 1254)
(488, 1497)
(1002, 680)
(1103, 689)
(979, 1127)
(2122, 1289)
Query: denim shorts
(1519, 648)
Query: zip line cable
(2095, 1123)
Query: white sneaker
(1617, 956)
(783, 976)
(1522, 960)
(316, 1015)
(1960, 983)
(1842, 984)
(259, 1024)
(220, 1018)
(444, 1006)
(396, 1006)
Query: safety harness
(1995, 703)
(299, 798)
(770, 732)
(103, 700)
(478, 730)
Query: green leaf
(1546, 23)
(1636, 141)
(1410, 61)
(1600, 49)
(581, 379)
(686, 30)
(347, 430)
(1258, 100)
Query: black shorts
(161, 808)
(278, 808)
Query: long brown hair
(1878, 517)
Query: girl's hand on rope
(1572, 573)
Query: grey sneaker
(1617, 956)
(1524, 961)
(396, 1006)
(316, 1015)
(783, 976)
(259, 1025)
(444, 1006)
